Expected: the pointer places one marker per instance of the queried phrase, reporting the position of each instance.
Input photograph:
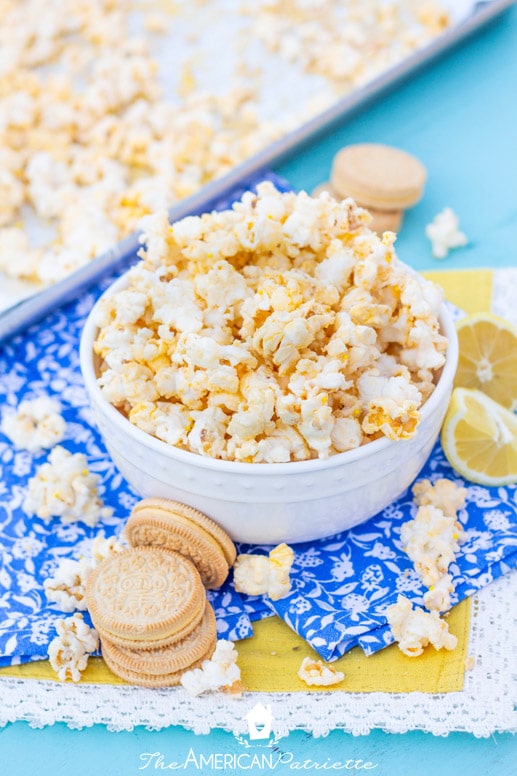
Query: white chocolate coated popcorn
(315, 672)
(64, 487)
(69, 651)
(220, 672)
(433, 537)
(66, 588)
(438, 597)
(414, 629)
(280, 330)
(265, 574)
(443, 494)
(431, 541)
(444, 233)
(36, 424)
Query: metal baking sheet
(466, 18)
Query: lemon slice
(479, 438)
(488, 357)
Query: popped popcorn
(347, 43)
(281, 330)
(91, 140)
(265, 574)
(438, 596)
(101, 547)
(443, 494)
(220, 672)
(431, 541)
(433, 537)
(69, 651)
(67, 587)
(444, 233)
(414, 629)
(315, 672)
(35, 424)
(64, 487)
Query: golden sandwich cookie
(199, 645)
(146, 595)
(153, 643)
(156, 522)
(150, 680)
(378, 176)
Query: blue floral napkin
(45, 361)
(341, 585)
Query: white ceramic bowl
(272, 503)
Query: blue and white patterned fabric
(341, 586)
(45, 361)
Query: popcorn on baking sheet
(264, 574)
(64, 487)
(69, 651)
(35, 424)
(280, 330)
(444, 233)
(220, 672)
(315, 672)
(414, 629)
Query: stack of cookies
(148, 603)
(384, 180)
(159, 522)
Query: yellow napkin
(270, 660)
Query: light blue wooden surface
(460, 117)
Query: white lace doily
(504, 293)
(484, 706)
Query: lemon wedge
(488, 357)
(479, 438)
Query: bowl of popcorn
(273, 365)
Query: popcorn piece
(444, 233)
(102, 547)
(442, 494)
(315, 672)
(251, 574)
(414, 629)
(220, 672)
(69, 651)
(67, 587)
(263, 575)
(63, 487)
(85, 95)
(36, 424)
(431, 541)
(438, 597)
(280, 330)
